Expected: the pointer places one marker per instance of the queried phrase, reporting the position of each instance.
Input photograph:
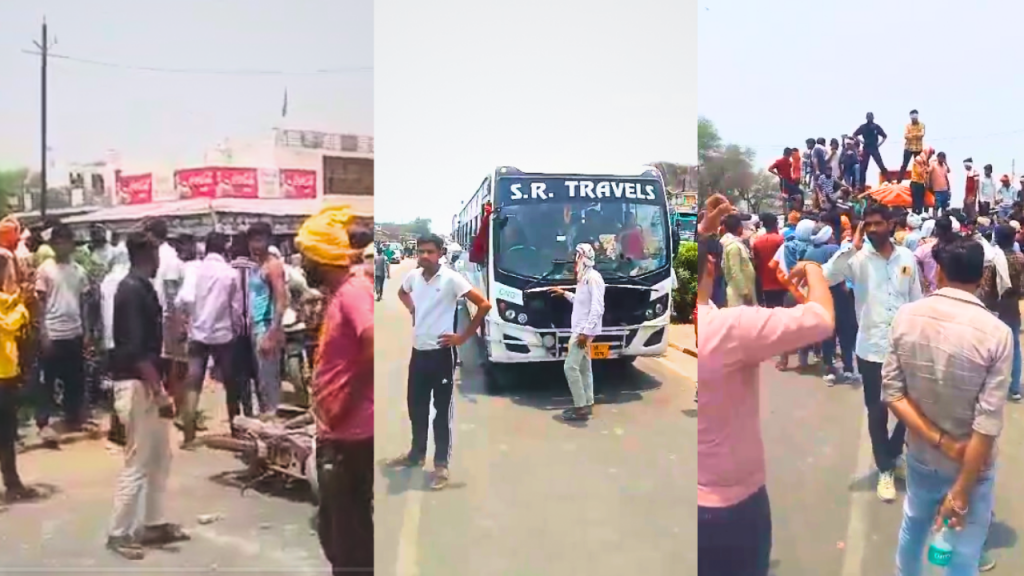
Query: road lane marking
(408, 563)
(860, 501)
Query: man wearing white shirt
(212, 300)
(587, 314)
(430, 293)
(885, 277)
(986, 191)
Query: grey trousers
(579, 374)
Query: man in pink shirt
(734, 516)
(343, 391)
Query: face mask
(968, 165)
(913, 116)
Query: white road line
(860, 501)
(408, 563)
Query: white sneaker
(886, 486)
(830, 380)
(1015, 397)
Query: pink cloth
(342, 385)
(733, 343)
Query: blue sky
(771, 74)
(155, 117)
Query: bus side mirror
(500, 222)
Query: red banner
(216, 183)
(195, 183)
(237, 183)
(135, 189)
(298, 184)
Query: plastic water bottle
(940, 551)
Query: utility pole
(44, 50)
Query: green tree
(12, 182)
(762, 195)
(708, 138)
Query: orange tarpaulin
(899, 195)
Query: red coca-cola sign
(195, 183)
(216, 183)
(298, 184)
(237, 183)
(134, 188)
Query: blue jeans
(1015, 371)
(268, 375)
(926, 488)
(852, 177)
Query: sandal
(163, 534)
(126, 547)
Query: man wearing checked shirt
(885, 277)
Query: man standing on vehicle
(381, 271)
(872, 137)
(587, 313)
(430, 293)
(343, 391)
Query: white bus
(536, 223)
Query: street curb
(684, 349)
(691, 352)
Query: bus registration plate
(599, 351)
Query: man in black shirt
(869, 134)
(143, 406)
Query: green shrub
(685, 297)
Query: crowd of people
(131, 324)
(834, 175)
(923, 310)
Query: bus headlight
(659, 309)
(510, 314)
(649, 314)
(522, 318)
(549, 341)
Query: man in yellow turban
(343, 388)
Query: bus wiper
(619, 275)
(554, 268)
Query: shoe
(986, 563)
(404, 461)
(830, 380)
(886, 487)
(1015, 396)
(900, 471)
(850, 377)
(439, 481)
(126, 547)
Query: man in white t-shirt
(431, 293)
(60, 285)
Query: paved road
(531, 495)
(257, 534)
(821, 478)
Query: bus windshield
(538, 238)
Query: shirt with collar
(880, 287)
(952, 358)
(213, 300)
(434, 303)
(587, 304)
(987, 189)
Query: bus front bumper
(508, 343)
